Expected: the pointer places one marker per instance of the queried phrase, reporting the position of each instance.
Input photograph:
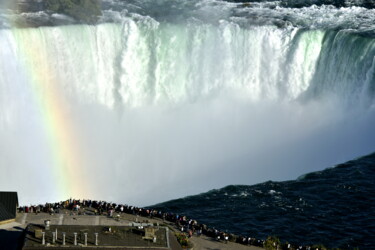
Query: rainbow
(67, 168)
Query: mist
(140, 112)
(146, 155)
(168, 153)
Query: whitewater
(158, 100)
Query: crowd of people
(189, 226)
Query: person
(226, 238)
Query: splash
(142, 110)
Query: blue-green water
(335, 207)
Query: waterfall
(162, 109)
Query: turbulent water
(161, 99)
(334, 207)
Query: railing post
(43, 238)
(63, 239)
(75, 239)
(85, 239)
(96, 239)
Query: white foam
(159, 105)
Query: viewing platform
(121, 231)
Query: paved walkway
(10, 225)
(204, 242)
